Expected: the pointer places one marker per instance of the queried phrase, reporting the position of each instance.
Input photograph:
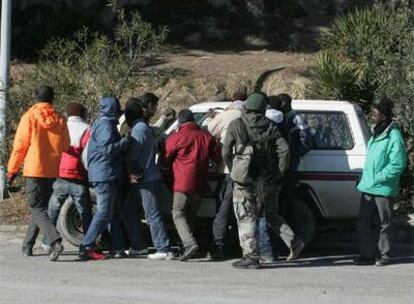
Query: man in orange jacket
(41, 137)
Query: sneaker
(267, 259)
(295, 252)
(46, 247)
(217, 254)
(189, 252)
(26, 252)
(382, 261)
(138, 252)
(161, 256)
(118, 254)
(90, 254)
(56, 249)
(246, 263)
(361, 261)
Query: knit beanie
(384, 105)
(257, 102)
(185, 116)
(75, 109)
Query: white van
(327, 174)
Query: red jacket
(189, 150)
(71, 166)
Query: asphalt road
(317, 278)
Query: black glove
(10, 178)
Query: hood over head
(259, 124)
(110, 106)
(46, 115)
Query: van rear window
(330, 130)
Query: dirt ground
(189, 76)
(14, 210)
(221, 64)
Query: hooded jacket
(261, 127)
(41, 137)
(384, 163)
(189, 150)
(105, 144)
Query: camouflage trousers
(248, 202)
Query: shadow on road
(330, 261)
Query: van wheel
(69, 223)
(302, 220)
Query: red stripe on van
(325, 176)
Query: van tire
(302, 220)
(69, 223)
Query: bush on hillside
(369, 53)
(89, 66)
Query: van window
(199, 118)
(330, 130)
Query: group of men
(257, 143)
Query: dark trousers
(38, 193)
(287, 192)
(125, 228)
(225, 209)
(375, 212)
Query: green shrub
(335, 78)
(89, 66)
(369, 53)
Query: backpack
(249, 160)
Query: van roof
(297, 104)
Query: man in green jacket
(385, 162)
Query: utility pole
(6, 7)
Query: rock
(194, 38)
(256, 41)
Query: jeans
(225, 209)
(185, 207)
(38, 192)
(375, 211)
(266, 242)
(153, 216)
(106, 196)
(126, 219)
(79, 192)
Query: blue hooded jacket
(105, 144)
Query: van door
(334, 165)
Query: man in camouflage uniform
(270, 162)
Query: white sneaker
(46, 247)
(166, 256)
(135, 252)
